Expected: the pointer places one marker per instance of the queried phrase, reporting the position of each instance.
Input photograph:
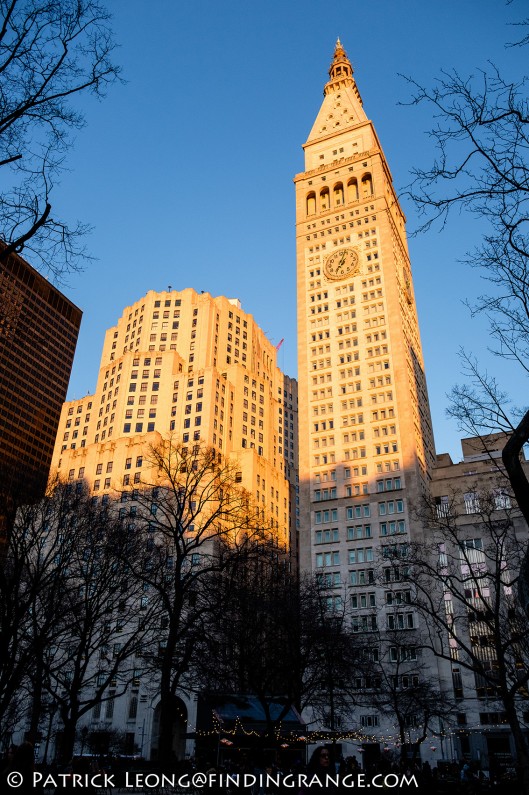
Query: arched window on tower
(325, 199)
(367, 186)
(311, 203)
(352, 190)
(338, 194)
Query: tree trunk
(165, 737)
(402, 736)
(53, 709)
(36, 707)
(67, 744)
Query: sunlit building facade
(197, 369)
(366, 442)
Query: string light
(356, 737)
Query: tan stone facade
(199, 369)
(366, 444)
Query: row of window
(110, 465)
(358, 532)
(138, 427)
(367, 576)
(348, 472)
(394, 621)
(390, 484)
(126, 481)
(355, 532)
(144, 385)
(356, 452)
(360, 511)
(502, 501)
(332, 558)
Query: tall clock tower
(366, 444)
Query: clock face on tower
(341, 263)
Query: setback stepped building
(197, 370)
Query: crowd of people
(325, 772)
(324, 768)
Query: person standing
(320, 766)
(22, 761)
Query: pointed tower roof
(342, 104)
(341, 65)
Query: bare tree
(32, 604)
(463, 585)
(69, 627)
(402, 689)
(286, 642)
(250, 642)
(331, 653)
(96, 653)
(481, 135)
(108, 742)
(194, 517)
(50, 51)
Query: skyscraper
(366, 444)
(198, 371)
(194, 367)
(38, 335)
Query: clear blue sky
(185, 171)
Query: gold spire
(341, 65)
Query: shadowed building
(38, 335)
(484, 538)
